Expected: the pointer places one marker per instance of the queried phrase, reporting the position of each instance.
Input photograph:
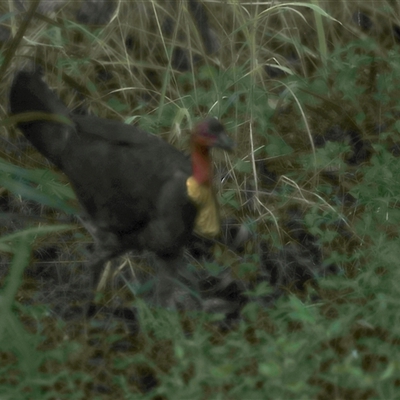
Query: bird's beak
(223, 141)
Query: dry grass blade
(9, 54)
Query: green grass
(339, 341)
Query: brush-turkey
(137, 191)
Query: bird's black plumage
(131, 184)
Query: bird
(137, 192)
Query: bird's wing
(116, 132)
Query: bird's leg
(106, 247)
(97, 261)
(96, 266)
(175, 286)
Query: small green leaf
(243, 166)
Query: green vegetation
(310, 92)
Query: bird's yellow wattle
(207, 221)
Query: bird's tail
(30, 94)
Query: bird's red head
(211, 133)
(208, 133)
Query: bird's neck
(202, 167)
